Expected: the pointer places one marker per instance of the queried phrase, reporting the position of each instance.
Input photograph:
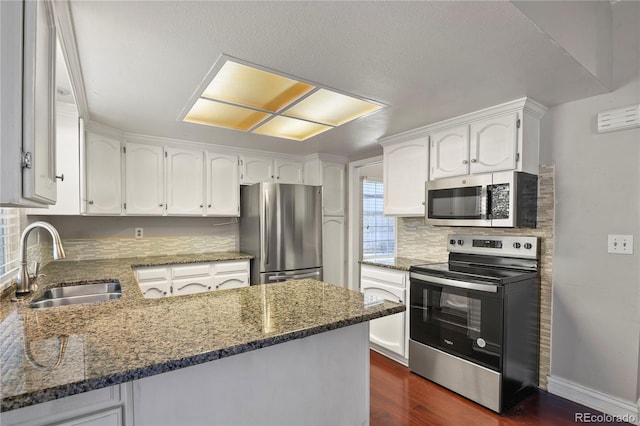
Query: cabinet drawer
(152, 274)
(153, 290)
(193, 270)
(192, 285)
(384, 275)
(226, 281)
(231, 266)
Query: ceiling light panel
(218, 114)
(243, 85)
(291, 128)
(331, 108)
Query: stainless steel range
(474, 320)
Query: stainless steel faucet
(25, 283)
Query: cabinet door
(494, 144)
(387, 332)
(155, 289)
(405, 168)
(449, 152)
(223, 187)
(256, 169)
(333, 258)
(67, 162)
(144, 185)
(288, 171)
(104, 170)
(191, 285)
(227, 281)
(185, 182)
(38, 122)
(333, 189)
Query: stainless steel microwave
(504, 199)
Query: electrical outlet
(139, 233)
(620, 244)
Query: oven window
(456, 203)
(465, 323)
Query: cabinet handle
(209, 205)
(424, 204)
(61, 177)
(201, 205)
(473, 160)
(209, 288)
(278, 177)
(271, 176)
(160, 205)
(164, 293)
(90, 201)
(464, 161)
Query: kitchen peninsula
(268, 354)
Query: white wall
(596, 295)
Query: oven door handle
(489, 288)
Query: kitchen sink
(78, 294)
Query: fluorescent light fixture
(238, 95)
(217, 114)
(332, 108)
(291, 128)
(243, 85)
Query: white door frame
(353, 224)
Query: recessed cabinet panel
(450, 152)
(103, 170)
(333, 258)
(185, 182)
(144, 185)
(223, 188)
(192, 285)
(494, 144)
(405, 173)
(38, 130)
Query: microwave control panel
(510, 246)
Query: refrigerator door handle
(267, 223)
(294, 277)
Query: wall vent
(619, 119)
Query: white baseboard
(592, 398)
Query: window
(378, 231)
(9, 242)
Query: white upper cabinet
(185, 182)
(103, 184)
(223, 187)
(144, 184)
(405, 167)
(287, 171)
(449, 152)
(494, 144)
(269, 169)
(256, 169)
(27, 105)
(333, 189)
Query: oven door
(460, 318)
(459, 201)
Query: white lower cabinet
(110, 406)
(389, 334)
(180, 280)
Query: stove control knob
(452, 242)
(528, 246)
(460, 242)
(516, 245)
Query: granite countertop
(51, 353)
(399, 263)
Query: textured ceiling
(142, 61)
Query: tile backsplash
(420, 241)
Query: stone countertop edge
(321, 318)
(397, 263)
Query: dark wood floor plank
(399, 397)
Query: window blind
(9, 242)
(378, 231)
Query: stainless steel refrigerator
(281, 225)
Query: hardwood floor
(399, 397)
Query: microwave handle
(486, 200)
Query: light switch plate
(139, 232)
(620, 244)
